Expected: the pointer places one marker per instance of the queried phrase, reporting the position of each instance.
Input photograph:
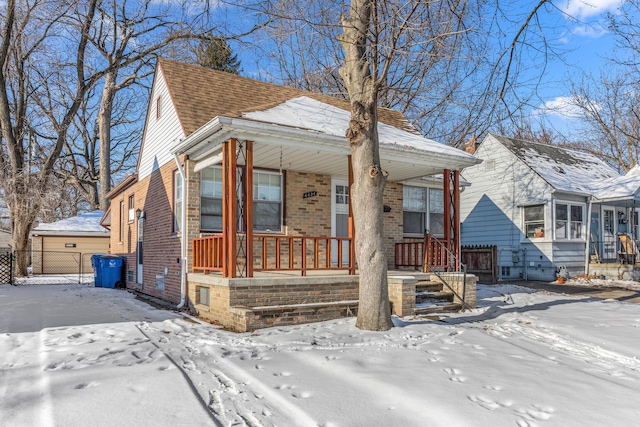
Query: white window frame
(426, 214)
(178, 189)
(569, 222)
(256, 200)
(131, 207)
(525, 222)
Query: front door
(339, 219)
(139, 249)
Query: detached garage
(66, 246)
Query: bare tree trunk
(104, 124)
(374, 312)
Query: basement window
(202, 295)
(160, 282)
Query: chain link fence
(51, 267)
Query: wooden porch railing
(303, 253)
(410, 253)
(208, 254)
(281, 253)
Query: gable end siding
(160, 133)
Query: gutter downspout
(588, 236)
(183, 237)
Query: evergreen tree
(216, 53)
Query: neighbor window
(569, 221)
(534, 221)
(423, 209)
(177, 201)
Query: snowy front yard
(74, 355)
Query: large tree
(40, 93)
(377, 35)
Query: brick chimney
(471, 146)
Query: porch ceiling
(334, 164)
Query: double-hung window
(267, 200)
(423, 209)
(211, 199)
(569, 221)
(178, 188)
(534, 221)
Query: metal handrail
(453, 261)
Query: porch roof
(308, 135)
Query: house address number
(309, 194)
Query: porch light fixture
(140, 214)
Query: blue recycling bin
(107, 270)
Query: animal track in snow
(534, 413)
(456, 375)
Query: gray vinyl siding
(491, 213)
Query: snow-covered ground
(75, 355)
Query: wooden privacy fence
(279, 253)
(481, 261)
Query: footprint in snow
(282, 374)
(285, 387)
(301, 395)
(493, 387)
(82, 386)
(456, 375)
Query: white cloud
(588, 31)
(562, 106)
(588, 8)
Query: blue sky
(576, 29)
(587, 44)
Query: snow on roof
(573, 171)
(86, 223)
(307, 113)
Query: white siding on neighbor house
(160, 133)
(490, 208)
(491, 214)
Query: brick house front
(240, 202)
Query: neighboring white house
(543, 205)
(61, 247)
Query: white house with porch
(550, 210)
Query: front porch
(282, 298)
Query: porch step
(432, 297)
(428, 286)
(438, 308)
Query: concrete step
(428, 286)
(437, 308)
